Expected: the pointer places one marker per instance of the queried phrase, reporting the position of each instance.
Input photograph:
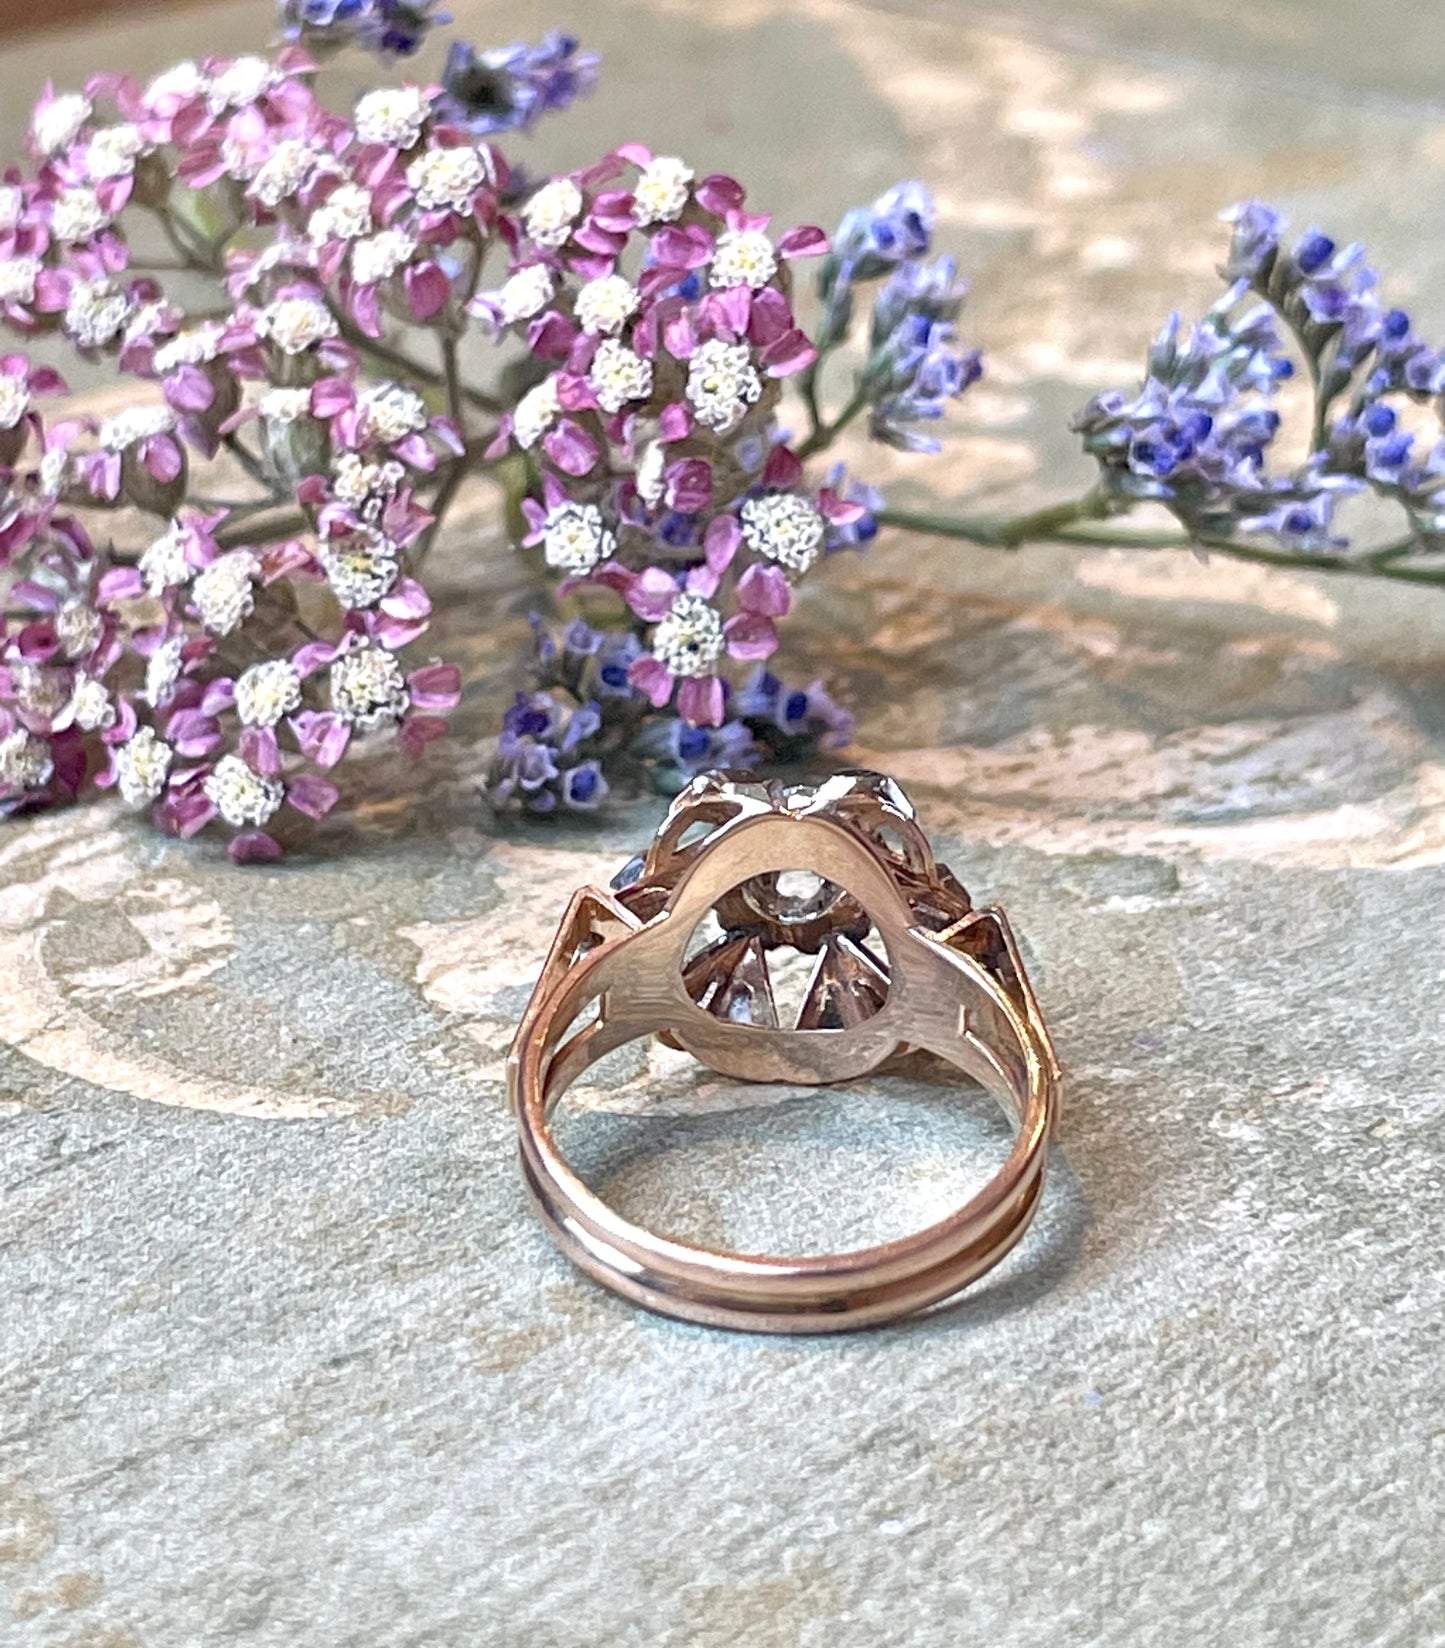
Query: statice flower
(1199, 434)
(512, 88)
(917, 365)
(391, 28)
(582, 708)
(872, 241)
(546, 759)
(792, 723)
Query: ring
(904, 961)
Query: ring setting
(742, 875)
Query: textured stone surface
(284, 1361)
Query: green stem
(1003, 532)
(441, 502)
(231, 534)
(247, 460)
(456, 390)
(400, 361)
(1064, 523)
(824, 434)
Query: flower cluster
(916, 363)
(1197, 436)
(582, 719)
(214, 591)
(391, 28)
(218, 668)
(659, 310)
(512, 88)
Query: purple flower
(916, 365)
(511, 88)
(544, 761)
(1196, 434)
(792, 722)
(391, 28)
(871, 241)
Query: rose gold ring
(904, 961)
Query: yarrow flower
(393, 117)
(212, 593)
(784, 528)
(577, 538)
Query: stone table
(286, 1363)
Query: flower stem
(400, 361)
(451, 368)
(1066, 524)
(1003, 532)
(824, 434)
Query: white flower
(743, 257)
(78, 215)
(785, 528)
(223, 591)
(575, 538)
(284, 405)
(241, 82)
(79, 627)
(266, 692)
(651, 475)
(242, 157)
(525, 293)
(393, 116)
(175, 85)
(536, 412)
(619, 375)
(368, 688)
(38, 691)
(163, 670)
(193, 347)
(345, 214)
(607, 304)
(90, 707)
(14, 400)
(241, 795)
(722, 383)
(146, 319)
(290, 164)
(96, 312)
(54, 471)
(281, 253)
(56, 126)
(295, 324)
(390, 413)
(112, 152)
(364, 486)
(163, 562)
(661, 192)
(361, 568)
(448, 178)
(689, 640)
(17, 279)
(134, 425)
(12, 206)
(141, 765)
(25, 762)
(380, 257)
(551, 212)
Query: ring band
(949, 982)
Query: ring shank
(940, 999)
